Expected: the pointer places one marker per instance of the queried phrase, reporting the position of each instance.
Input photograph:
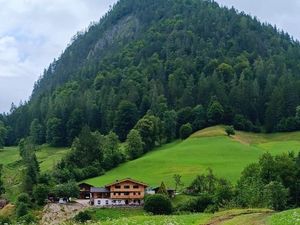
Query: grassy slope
(13, 166)
(207, 148)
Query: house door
(126, 202)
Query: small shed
(85, 190)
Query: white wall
(100, 202)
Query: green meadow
(290, 217)
(227, 217)
(208, 148)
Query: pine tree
(162, 189)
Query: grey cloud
(284, 14)
(32, 33)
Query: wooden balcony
(127, 195)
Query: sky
(34, 32)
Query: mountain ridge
(163, 56)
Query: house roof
(85, 184)
(99, 190)
(126, 179)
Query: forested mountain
(182, 61)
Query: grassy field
(227, 156)
(229, 217)
(139, 217)
(13, 167)
(290, 217)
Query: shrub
(158, 205)
(276, 195)
(27, 219)
(241, 123)
(24, 198)
(83, 217)
(200, 204)
(4, 220)
(211, 208)
(40, 193)
(229, 130)
(185, 131)
(21, 210)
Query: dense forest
(170, 65)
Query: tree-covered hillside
(183, 61)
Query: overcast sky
(34, 32)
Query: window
(117, 186)
(126, 186)
(99, 202)
(126, 193)
(135, 186)
(114, 201)
(133, 193)
(139, 193)
(106, 202)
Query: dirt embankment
(54, 214)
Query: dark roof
(99, 190)
(168, 189)
(127, 179)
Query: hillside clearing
(208, 148)
(13, 166)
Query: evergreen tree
(112, 153)
(163, 189)
(126, 118)
(215, 112)
(3, 133)
(55, 132)
(170, 125)
(37, 132)
(31, 174)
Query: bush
(27, 219)
(4, 220)
(211, 208)
(229, 130)
(276, 195)
(241, 123)
(21, 210)
(158, 205)
(185, 131)
(83, 217)
(40, 193)
(200, 204)
(24, 198)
